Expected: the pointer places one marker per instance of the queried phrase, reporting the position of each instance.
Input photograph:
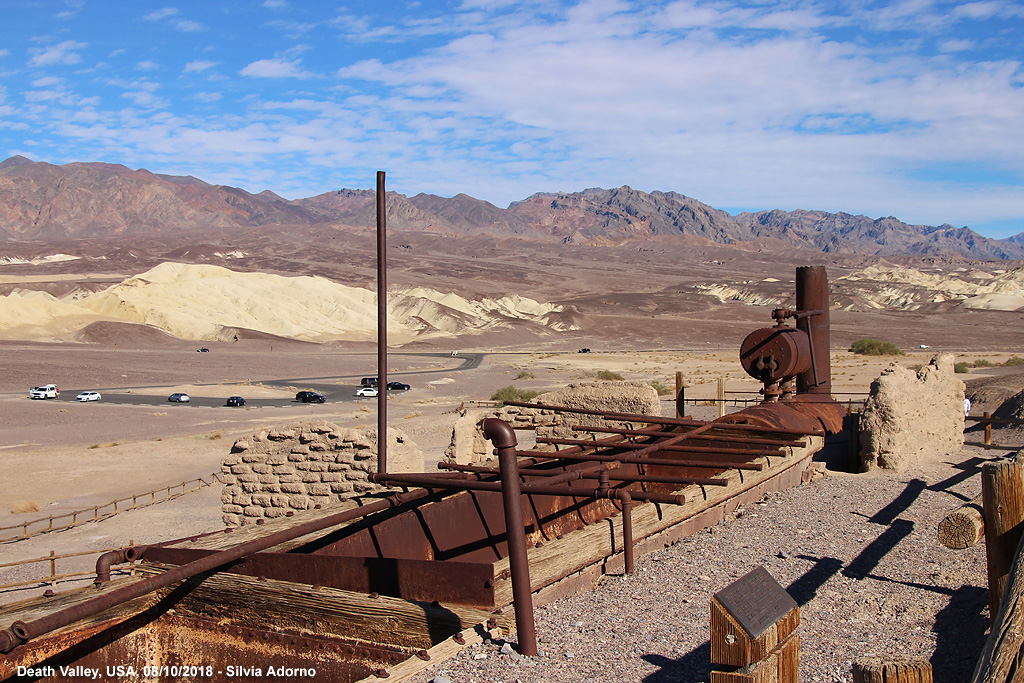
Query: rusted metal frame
(613, 476)
(21, 632)
(677, 421)
(117, 556)
(751, 452)
(427, 480)
(721, 456)
(630, 459)
(700, 437)
(658, 479)
(382, 327)
(499, 433)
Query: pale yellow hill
(197, 301)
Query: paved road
(328, 386)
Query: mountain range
(41, 201)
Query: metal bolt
(424, 655)
(458, 638)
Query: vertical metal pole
(812, 294)
(627, 529)
(501, 435)
(382, 328)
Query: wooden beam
(878, 670)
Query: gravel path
(858, 553)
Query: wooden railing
(43, 525)
(988, 421)
(53, 577)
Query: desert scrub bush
(1013, 360)
(661, 387)
(608, 375)
(961, 367)
(525, 374)
(982, 363)
(874, 347)
(511, 393)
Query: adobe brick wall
(304, 465)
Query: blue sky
(913, 109)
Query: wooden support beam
(1002, 492)
(964, 527)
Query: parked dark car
(369, 382)
(398, 386)
(584, 350)
(235, 401)
(310, 397)
(203, 350)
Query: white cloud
(189, 26)
(275, 68)
(207, 96)
(199, 66)
(61, 53)
(4, 52)
(275, 4)
(160, 14)
(147, 65)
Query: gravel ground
(858, 553)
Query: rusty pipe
(501, 435)
(629, 459)
(717, 450)
(105, 561)
(538, 489)
(25, 631)
(382, 326)
(812, 296)
(627, 527)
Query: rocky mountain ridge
(44, 201)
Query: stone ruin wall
(912, 415)
(303, 466)
(468, 445)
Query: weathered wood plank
(880, 670)
(1002, 492)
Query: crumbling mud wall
(469, 446)
(305, 465)
(912, 415)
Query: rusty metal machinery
(456, 546)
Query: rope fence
(44, 525)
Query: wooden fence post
(753, 632)
(680, 398)
(721, 397)
(1002, 493)
(988, 429)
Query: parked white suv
(45, 391)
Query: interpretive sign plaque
(756, 601)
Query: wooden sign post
(753, 632)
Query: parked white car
(88, 396)
(367, 391)
(45, 391)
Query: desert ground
(646, 314)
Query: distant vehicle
(398, 386)
(369, 382)
(367, 391)
(203, 350)
(925, 346)
(45, 391)
(584, 350)
(179, 398)
(88, 396)
(235, 401)
(310, 397)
